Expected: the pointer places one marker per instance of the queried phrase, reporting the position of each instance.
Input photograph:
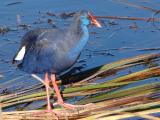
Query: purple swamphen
(52, 51)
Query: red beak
(94, 20)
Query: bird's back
(47, 50)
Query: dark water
(119, 35)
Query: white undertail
(21, 54)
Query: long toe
(75, 107)
(47, 113)
(67, 105)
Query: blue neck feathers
(75, 51)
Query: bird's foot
(67, 105)
(54, 113)
(73, 107)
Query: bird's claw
(54, 113)
(73, 107)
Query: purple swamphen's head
(87, 18)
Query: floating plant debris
(4, 29)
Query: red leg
(60, 100)
(49, 109)
(47, 91)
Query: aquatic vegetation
(129, 95)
